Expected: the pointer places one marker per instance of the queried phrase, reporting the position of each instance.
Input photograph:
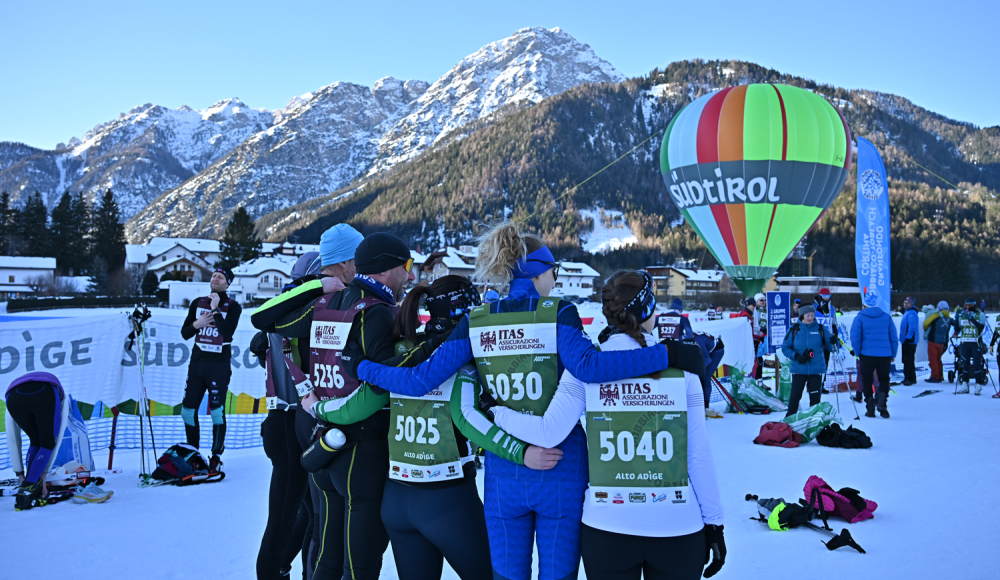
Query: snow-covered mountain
(326, 139)
(322, 141)
(531, 65)
(144, 152)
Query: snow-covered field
(932, 471)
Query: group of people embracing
(595, 450)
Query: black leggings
(611, 556)
(211, 377)
(36, 408)
(799, 382)
(283, 534)
(358, 477)
(428, 526)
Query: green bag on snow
(810, 422)
(749, 392)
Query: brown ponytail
(408, 319)
(619, 290)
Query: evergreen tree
(108, 234)
(82, 220)
(99, 281)
(150, 284)
(240, 243)
(7, 214)
(67, 235)
(32, 227)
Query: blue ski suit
(522, 504)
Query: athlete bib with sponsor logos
(209, 338)
(327, 338)
(516, 354)
(969, 332)
(422, 443)
(669, 325)
(637, 441)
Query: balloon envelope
(752, 168)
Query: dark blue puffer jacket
(874, 333)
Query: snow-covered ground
(931, 472)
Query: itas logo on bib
(488, 340)
(325, 335)
(609, 395)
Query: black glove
(806, 357)
(351, 358)
(487, 402)
(715, 549)
(684, 356)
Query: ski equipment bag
(846, 502)
(180, 461)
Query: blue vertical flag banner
(871, 244)
(779, 319)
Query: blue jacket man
(909, 337)
(875, 341)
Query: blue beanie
(676, 304)
(338, 244)
(871, 299)
(943, 305)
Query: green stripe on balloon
(762, 136)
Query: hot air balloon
(752, 168)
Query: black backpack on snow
(180, 461)
(833, 436)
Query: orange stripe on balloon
(731, 125)
(738, 221)
(722, 221)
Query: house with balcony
(575, 279)
(264, 277)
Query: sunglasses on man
(555, 266)
(408, 262)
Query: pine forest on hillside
(522, 161)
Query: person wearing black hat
(211, 321)
(326, 321)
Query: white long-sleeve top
(564, 412)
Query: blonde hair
(499, 250)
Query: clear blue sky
(67, 66)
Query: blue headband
(534, 264)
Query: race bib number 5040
(637, 441)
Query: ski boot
(963, 388)
(28, 496)
(884, 412)
(979, 389)
(857, 397)
(215, 464)
(870, 411)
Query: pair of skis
(193, 479)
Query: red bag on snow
(777, 434)
(846, 503)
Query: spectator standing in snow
(674, 324)
(824, 307)
(874, 339)
(796, 305)
(909, 338)
(937, 327)
(803, 344)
